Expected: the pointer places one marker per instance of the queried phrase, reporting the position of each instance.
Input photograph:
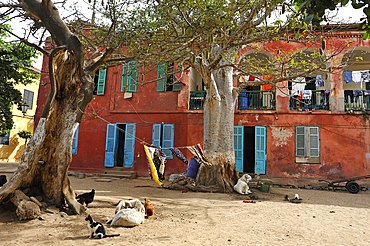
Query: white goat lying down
(128, 213)
(242, 185)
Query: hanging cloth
(356, 76)
(159, 159)
(197, 155)
(202, 153)
(153, 171)
(318, 81)
(365, 76)
(347, 76)
(176, 152)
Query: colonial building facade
(322, 135)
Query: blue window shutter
(124, 78)
(168, 130)
(101, 82)
(300, 141)
(132, 77)
(160, 74)
(74, 142)
(156, 140)
(238, 146)
(110, 146)
(260, 149)
(128, 160)
(314, 141)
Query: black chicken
(86, 197)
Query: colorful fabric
(365, 76)
(198, 156)
(319, 81)
(347, 76)
(176, 152)
(153, 170)
(159, 159)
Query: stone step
(132, 174)
(119, 176)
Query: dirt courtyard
(192, 218)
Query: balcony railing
(260, 100)
(319, 101)
(356, 100)
(197, 100)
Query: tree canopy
(14, 58)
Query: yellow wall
(13, 151)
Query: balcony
(318, 100)
(256, 100)
(356, 100)
(196, 100)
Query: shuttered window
(5, 140)
(74, 142)
(163, 137)
(307, 144)
(101, 82)
(129, 77)
(167, 81)
(28, 98)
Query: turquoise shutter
(314, 141)
(260, 149)
(74, 142)
(156, 135)
(160, 74)
(238, 146)
(101, 82)
(132, 77)
(168, 139)
(129, 146)
(124, 78)
(110, 146)
(300, 141)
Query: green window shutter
(101, 82)
(176, 85)
(168, 140)
(314, 141)
(132, 77)
(124, 78)
(300, 141)
(156, 140)
(161, 83)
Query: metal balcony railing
(260, 100)
(356, 100)
(318, 100)
(196, 100)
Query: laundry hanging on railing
(356, 76)
(176, 152)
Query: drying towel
(347, 76)
(176, 152)
(356, 76)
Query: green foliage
(25, 134)
(13, 58)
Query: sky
(345, 15)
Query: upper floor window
(166, 79)
(307, 144)
(99, 81)
(129, 77)
(28, 98)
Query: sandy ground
(191, 218)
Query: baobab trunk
(48, 154)
(218, 146)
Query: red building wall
(344, 137)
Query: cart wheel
(353, 187)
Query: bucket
(192, 169)
(266, 188)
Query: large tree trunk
(218, 146)
(48, 154)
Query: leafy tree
(14, 57)
(25, 134)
